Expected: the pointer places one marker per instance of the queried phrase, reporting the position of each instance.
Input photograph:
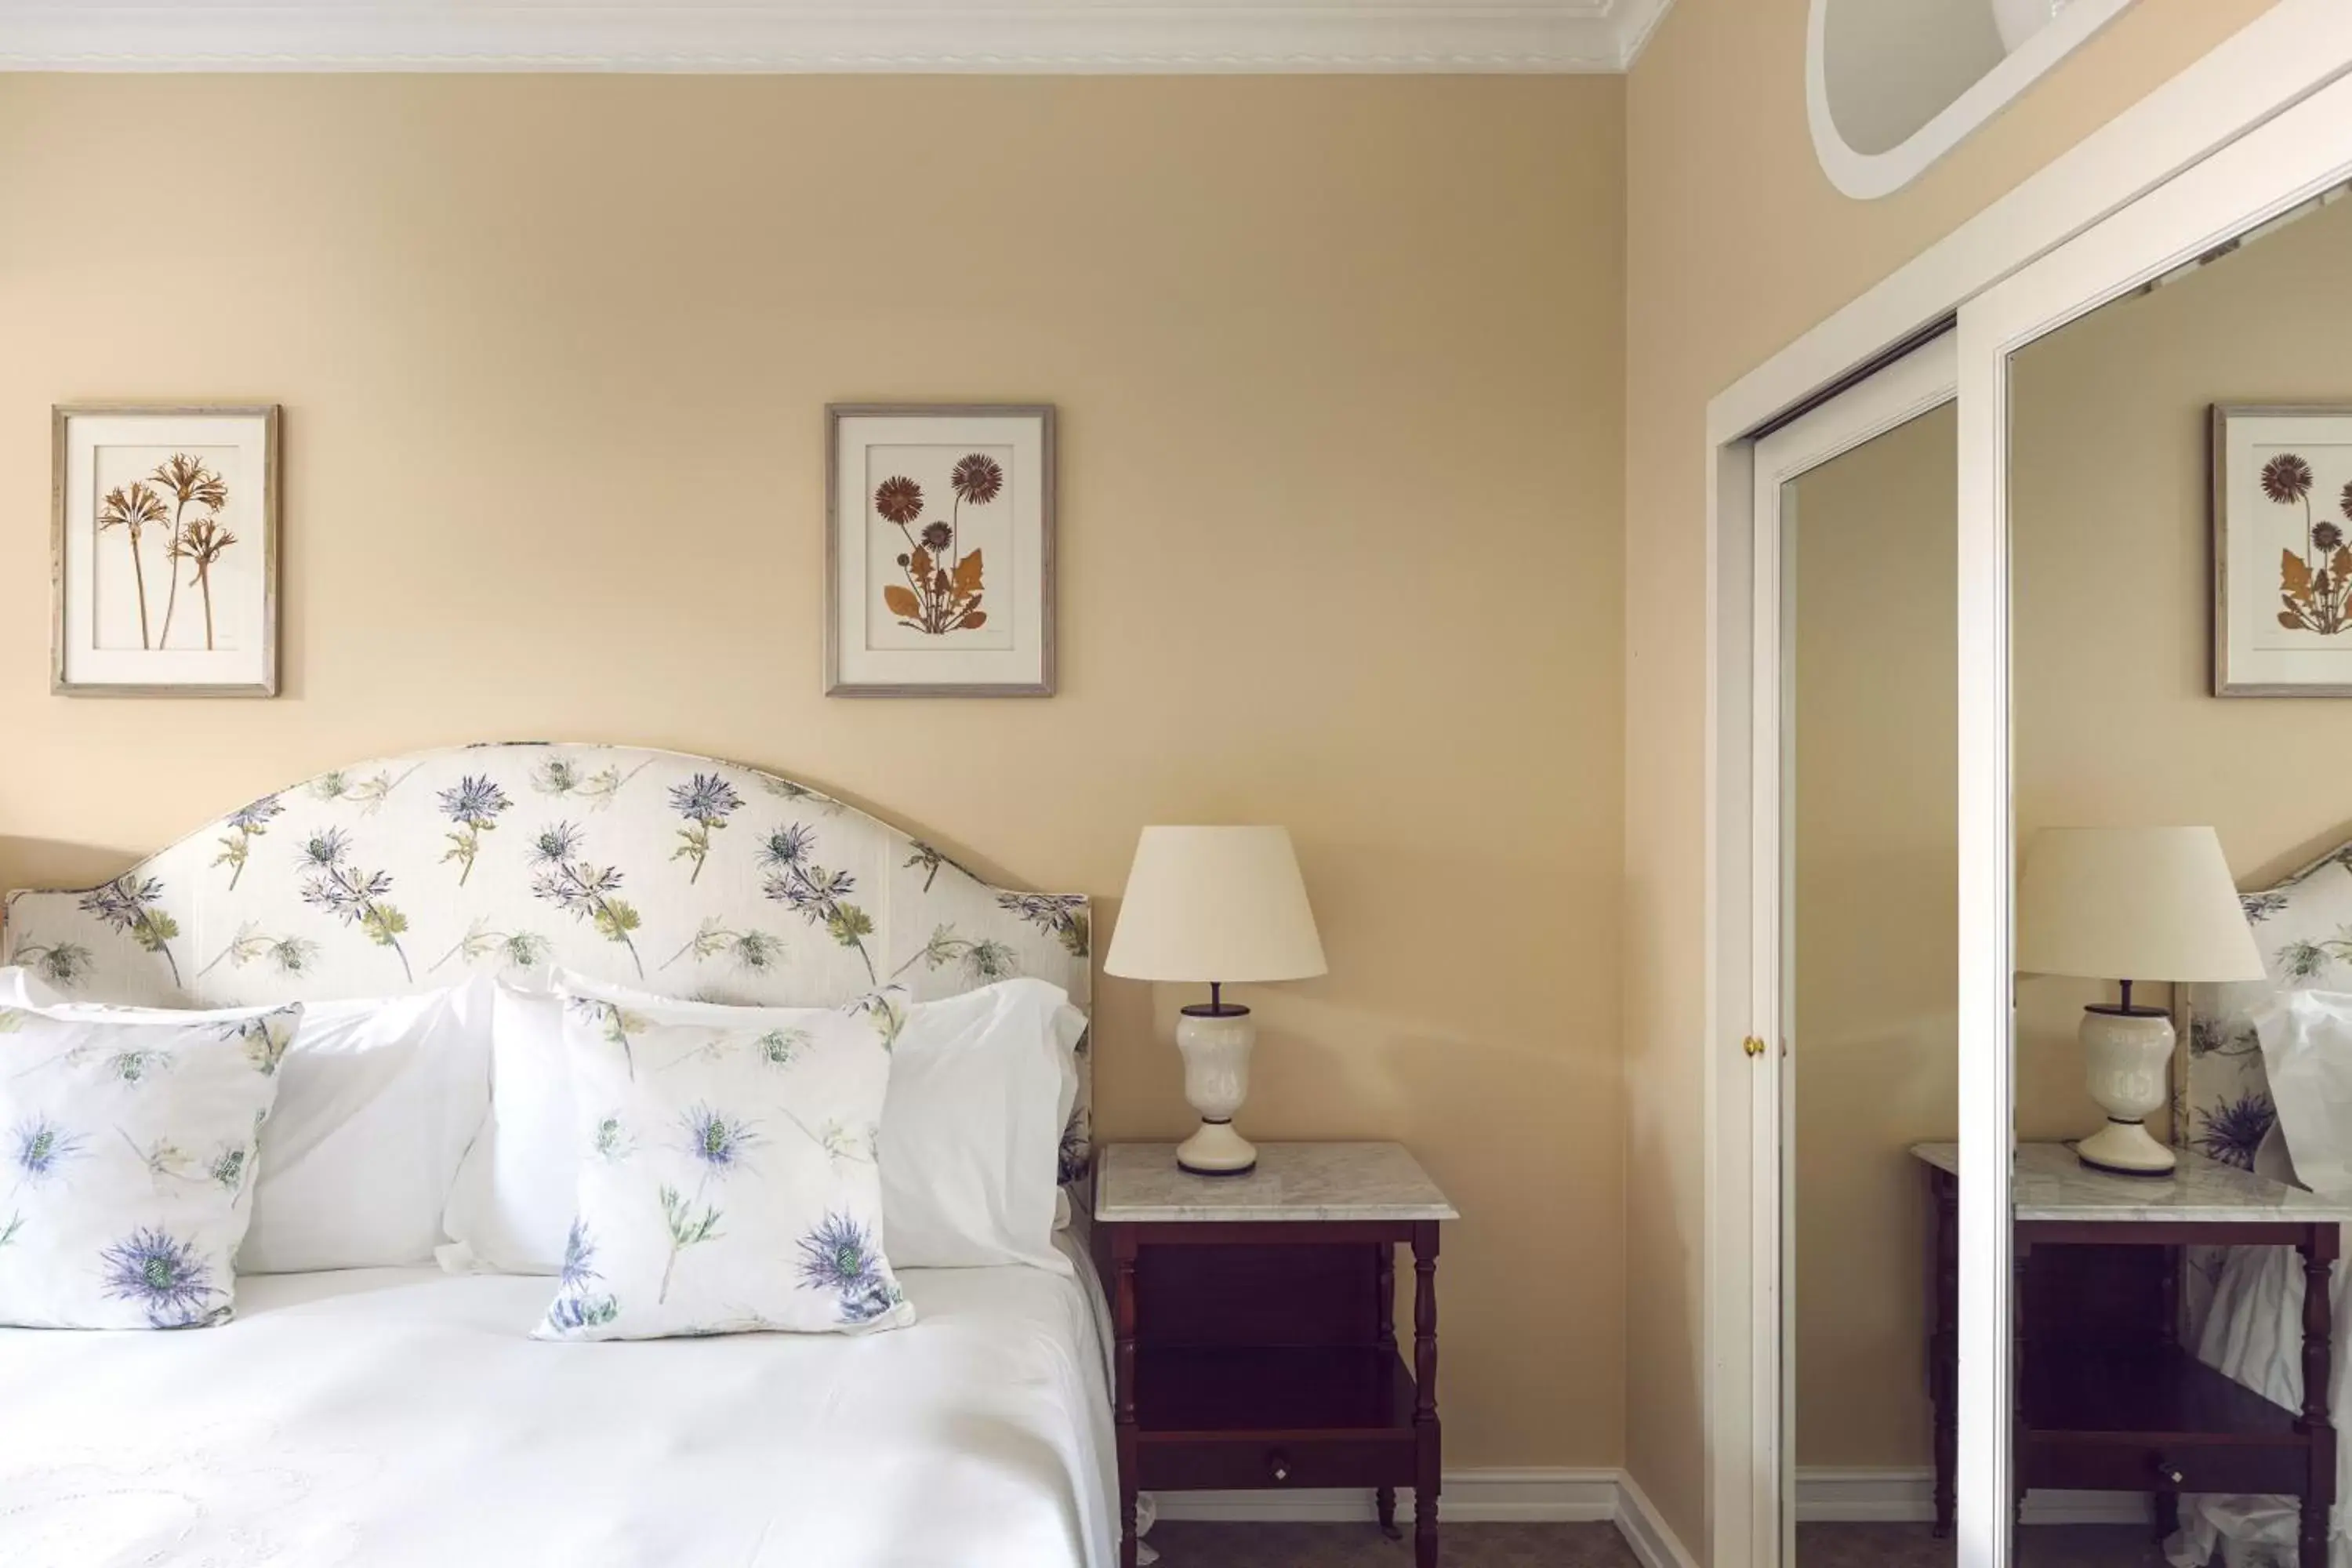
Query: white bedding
(383, 1417)
(2253, 1331)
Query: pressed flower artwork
(2283, 548)
(166, 538)
(942, 550)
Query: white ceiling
(1000, 36)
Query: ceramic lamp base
(2126, 1053)
(1216, 1041)
(1216, 1150)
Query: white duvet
(385, 1418)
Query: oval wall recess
(1893, 85)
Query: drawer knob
(1280, 1465)
(2168, 1471)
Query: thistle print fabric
(127, 1164)
(731, 1183)
(680, 874)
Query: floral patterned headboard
(682, 874)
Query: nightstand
(1257, 1344)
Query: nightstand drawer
(1241, 1463)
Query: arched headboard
(683, 874)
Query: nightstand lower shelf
(1233, 1419)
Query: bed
(378, 1416)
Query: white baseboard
(1644, 1531)
(1473, 1497)
(1470, 1497)
(1907, 1496)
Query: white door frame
(1924, 379)
(2294, 51)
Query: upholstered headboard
(683, 874)
(2302, 925)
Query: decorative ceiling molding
(812, 36)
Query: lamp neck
(2125, 1009)
(1216, 1007)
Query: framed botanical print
(163, 551)
(2282, 550)
(939, 550)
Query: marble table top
(2050, 1183)
(1141, 1183)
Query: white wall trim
(821, 36)
(1639, 1521)
(1829, 1495)
(1471, 1496)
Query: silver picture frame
(1032, 592)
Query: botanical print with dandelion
(941, 553)
(2282, 552)
(941, 515)
(164, 549)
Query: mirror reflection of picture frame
(2282, 550)
(939, 550)
(163, 550)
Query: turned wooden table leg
(1424, 1409)
(1123, 1371)
(1384, 1320)
(1944, 1345)
(2318, 1249)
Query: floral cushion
(729, 1182)
(129, 1151)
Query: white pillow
(377, 1100)
(980, 1087)
(730, 1184)
(2306, 1040)
(129, 1151)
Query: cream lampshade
(2125, 904)
(1215, 905)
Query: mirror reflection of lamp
(2130, 904)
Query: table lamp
(2124, 904)
(1216, 905)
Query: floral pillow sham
(127, 1164)
(729, 1182)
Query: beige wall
(1874, 926)
(1340, 368)
(1736, 244)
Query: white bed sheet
(2253, 1331)
(379, 1418)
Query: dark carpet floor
(1188, 1545)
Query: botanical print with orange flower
(162, 501)
(943, 590)
(2314, 582)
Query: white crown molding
(821, 36)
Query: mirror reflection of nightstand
(2108, 1397)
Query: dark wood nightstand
(1256, 1342)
